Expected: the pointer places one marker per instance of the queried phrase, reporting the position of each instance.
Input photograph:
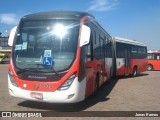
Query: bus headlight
(68, 82)
(14, 83)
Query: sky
(132, 19)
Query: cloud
(9, 19)
(102, 5)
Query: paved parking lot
(140, 93)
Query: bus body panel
(120, 66)
(142, 64)
(91, 74)
(90, 79)
(75, 93)
(122, 70)
(155, 64)
(109, 67)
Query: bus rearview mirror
(11, 36)
(85, 35)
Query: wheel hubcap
(149, 67)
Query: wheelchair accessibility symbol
(47, 60)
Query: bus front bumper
(75, 93)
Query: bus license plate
(37, 95)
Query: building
(4, 47)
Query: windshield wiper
(20, 71)
(53, 70)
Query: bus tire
(134, 72)
(149, 67)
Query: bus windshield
(45, 45)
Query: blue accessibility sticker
(47, 60)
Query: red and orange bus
(64, 57)
(153, 60)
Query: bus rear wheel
(149, 67)
(135, 72)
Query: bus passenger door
(108, 59)
(127, 61)
(89, 67)
(104, 70)
(120, 59)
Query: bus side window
(120, 50)
(155, 57)
(150, 56)
(158, 57)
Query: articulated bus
(64, 57)
(153, 60)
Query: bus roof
(156, 52)
(57, 15)
(128, 41)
